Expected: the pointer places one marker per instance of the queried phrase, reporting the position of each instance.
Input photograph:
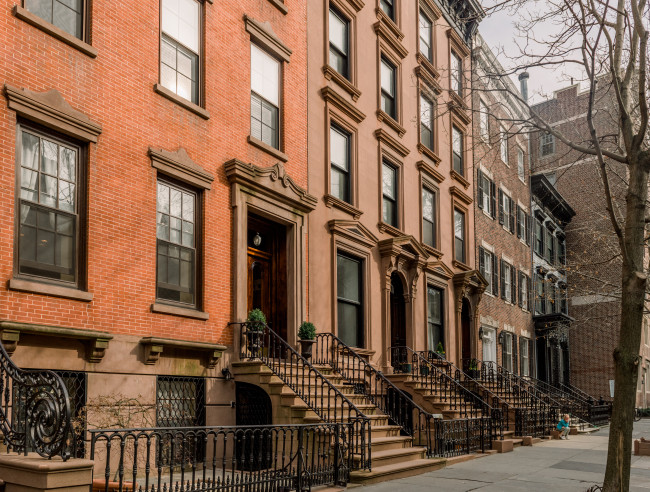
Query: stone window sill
(389, 229)
(279, 4)
(384, 117)
(278, 154)
(25, 15)
(346, 84)
(161, 308)
(181, 101)
(49, 290)
(332, 201)
(432, 251)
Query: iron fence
(462, 436)
(214, 459)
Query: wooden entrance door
(267, 271)
(465, 326)
(397, 313)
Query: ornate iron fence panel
(34, 410)
(461, 436)
(297, 457)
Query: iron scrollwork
(34, 410)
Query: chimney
(523, 83)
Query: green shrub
(307, 331)
(440, 349)
(256, 320)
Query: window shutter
(528, 228)
(503, 279)
(518, 221)
(519, 289)
(481, 261)
(531, 358)
(512, 215)
(514, 354)
(513, 287)
(479, 178)
(530, 295)
(503, 348)
(500, 206)
(495, 275)
(522, 341)
(493, 199)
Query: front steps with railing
(392, 455)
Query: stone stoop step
(399, 470)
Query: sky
(499, 32)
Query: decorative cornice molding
(457, 177)
(273, 181)
(354, 231)
(389, 23)
(179, 165)
(459, 110)
(423, 149)
(384, 137)
(458, 42)
(427, 72)
(263, 33)
(431, 8)
(332, 97)
(384, 117)
(462, 196)
(385, 32)
(52, 110)
(345, 84)
(431, 171)
(356, 4)
(278, 4)
(154, 346)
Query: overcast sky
(499, 31)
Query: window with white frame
(265, 97)
(484, 122)
(546, 144)
(507, 276)
(507, 351)
(456, 74)
(520, 164)
(525, 359)
(523, 290)
(504, 145)
(426, 29)
(426, 121)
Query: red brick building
(503, 217)
(139, 147)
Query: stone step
(394, 456)
(390, 442)
(399, 470)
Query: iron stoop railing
(313, 387)
(440, 437)
(274, 458)
(34, 411)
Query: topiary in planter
(306, 333)
(255, 324)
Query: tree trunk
(617, 473)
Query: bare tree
(608, 41)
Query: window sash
(459, 236)
(484, 128)
(425, 32)
(487, 269)
(340, 164)
(508, 281)
(520, 164)
(265, 75)
(429, 217)
(68, 15)
(339, 42)
(504, 146)
(547, 144)
(457, 150)
(352, 303)
(456, 74)
(426, 122)
(389, 194)
(388, 88)
(265, 121)
(388, 7)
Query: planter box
(641, 447)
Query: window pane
(175, 197)
(425, 36)
(459, 224)
(30, 151)
(180, 20)
(49, 157)
(427, 205)
(457, 141)
(388, 105)
(348, 323)
(426, 111)
(67, 164)
(390, 212)
(66, 196)
(347, 278)
(338, 32)
(389, 181)
(29, 185)
(68, 17)
(42, 8)
(188, 207)
(48, 190)
(265, 75)
(387, 77)
(339, 151)
(388, 8)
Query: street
(573, 465)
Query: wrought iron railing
(535, 414)
(426, 429)
(442, 379)
(215, 459)
(313, 387)
(34, 411)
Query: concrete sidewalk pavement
(573, 465)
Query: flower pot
(473, 373)
(406, 368)
(254, 341)
(306, 347)
(424, 370)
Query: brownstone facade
(147, 122)
(390, 146)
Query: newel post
(32, 473)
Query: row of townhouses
(347, 162)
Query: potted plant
(424, 369)
(306, 334)
(440, 351)
(255, 324)
(473, 369)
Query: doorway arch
(253, 407)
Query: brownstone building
(142, 155)
(503, 218)
(390, 161)
(592, 266)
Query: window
(486, 194)
(388, 6)
(67, 15)
(48, 241)
(561, 251)
(179, 47)
(457, 150)
(388, 88)
(435, 327)
(525, 360)
(340, 164)
(339, 43)
(520, 165)
(550, 246)
(389, 194)
(484, 121)
(546, 144)
(506, 211)
(507, 351)
(456, 74)
(564, 301)
(539, 238)
(426, 30)
(429, 217)
(504, 145)
(523, 290)
(459, 236)
(265, 97)
(540, 299)
(507, 278)
(426, 122)
(176, 245)
(349, 299)
(489, 269)
(521, 222)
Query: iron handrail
(497, 414)
(331, 350)
(34, 410)
(322, 396)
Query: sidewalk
(551, 466)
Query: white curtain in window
(180, 20)
(265, 75)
